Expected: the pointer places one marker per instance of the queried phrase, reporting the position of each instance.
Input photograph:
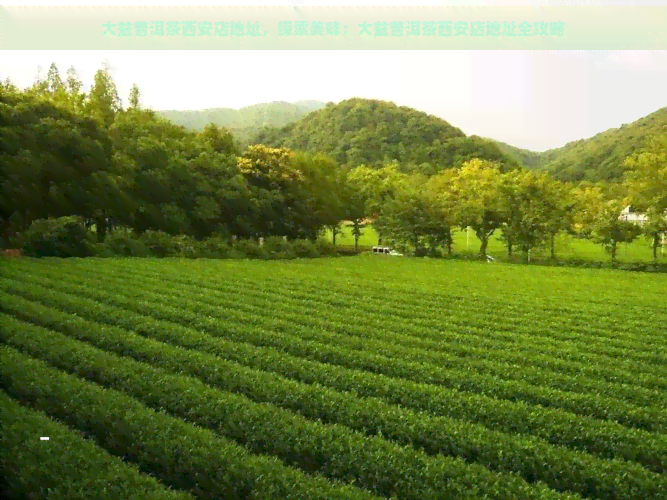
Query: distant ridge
(244, 121)
(355, 131)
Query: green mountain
(601, 156)
(598, 158)
(246, 121)
(527, 158)
(372, 132)
(368, 131)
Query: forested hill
(372, 132)
(527, 158)
(246, 121)
(598, 158)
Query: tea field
(336, 378)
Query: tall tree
(403, 220)
(145, 147)
(598, 213)
(40, 84)
(220, 138)
(646, 181)
(439, 189)
(53, 79)
(53, 163)
(103, 100)
(8, 86)
(534, 208)
(377, 187)
(355, 209)
(271, 174)
(476, 191)
(415, 218)
(134, 96)
(74, 87)
(559, 210)
(319, 195)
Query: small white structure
(386, 251)
(630, 215)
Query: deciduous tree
(598, 212)
(476, 193)
(646, 181)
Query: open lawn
(333, 378)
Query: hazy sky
(536, 100)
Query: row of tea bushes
(578, 472)
(66, 466)
(179, 454)
(315, 344)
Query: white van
(385, 251)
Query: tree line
(527, 208)
(65, 152)
(68, 153)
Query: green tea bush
(67, 466)
(455, 380)
(375, 464)
(268, 429)
(606, 439)
(177, 453)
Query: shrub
(304, 248)
(178, 454)
(421, 252)
(276, 247)
(186, 246)
(61, 237)
(215, 247)
(249, 249)
(347, 251)
(323, 247)
(123, 242)
(159, 243)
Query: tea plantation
(337, 378)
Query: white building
(630, 215)
(638, 218)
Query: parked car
(386, 251)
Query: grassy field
(567, 247)
(355, 378)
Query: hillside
(527, 158)
(246, 121)
(601, 157)
(372, 132)
(369, 131)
